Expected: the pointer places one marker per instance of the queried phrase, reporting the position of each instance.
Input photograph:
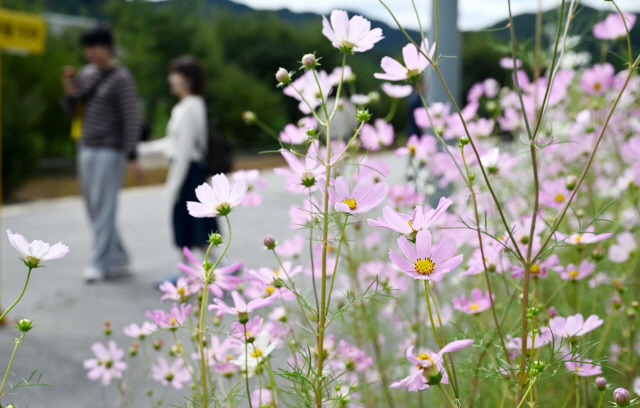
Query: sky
(473, 14)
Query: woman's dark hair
(100, 35)
(191, 68)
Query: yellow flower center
(247, 334)
(559, 198)
(276, 273)
(270, 289)
(181, 291)
(424, 266)
(256, 353)
(473, 307)
(578, 238)
(573, 273)
(535, 269)
(597, 86)
(425, 357)
(173, 321)
(351, 203)
(412, 149)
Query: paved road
(69, 315)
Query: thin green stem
(246, 365)
(335, 269)
(446, 394)
(13, 354)
(19, 297)
(524, 397)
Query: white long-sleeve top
(186, 141)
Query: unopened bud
(464, 140)
(621, 397)
(243, 317)
(532, 312)
(157, 344)
(215, 239)
(601, 383)
(571, 181)
(309, 61)
(363, 115)
(597, 253)
(552, 312)
(107, 328)
(133, 350)
(24, 325)
(248, 117)
(537, 367)
(311, 132)
(632, 313)
(635, 304)
(282, 76)
(616, 302)
(269, 242)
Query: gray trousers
(101, 172)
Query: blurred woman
(186, 146)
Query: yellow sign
(22, 31)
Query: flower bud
(616, 302)
(571, 181)
(107, 328)
(621, 397)
(532, 312)
(215, 239)
(632, 313)
(537, 367)
(309, 61)
(464, 140)
(601, 383)
(635, 304)
(249, 117)
(552, 312)
(133, 350)
(24, 325)
(269, 242)
(157, 344)
(282, 76)
(311, 132)
(243, 318)
(363, 115)
(597, 253)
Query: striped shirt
(112, 114)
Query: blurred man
(103, 95)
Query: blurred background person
(104, 99)
(185, 144)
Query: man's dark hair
(97, 36)
(191, 68)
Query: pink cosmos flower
(439, 113)
(262, 398)
(613, 26)
(239, 305)
(373, 170)
(492, 251)
(139, 332)
(218, 198)
(574, 326)
(554, 193)
(177, 292)
(575, 273)
(583, 368)
(414, 63)
(507, 63)
(222, 277)
(597, 79)
(174, 375)
(425, 262)
(292, 247)
(396, 91)
(621, 250)
(420, 148)
(254, 182)
(542, 337)
(405, 224)
(36, 251)
(363, 198)
(373, 138)
(310, 90)
(538, 270)
(108, 363)
(303, 174)
(172, 320)
(583, 238)
(292, 134)
(430, 369)
(404, 195)
(350, 35)
(479, 302)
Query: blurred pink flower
(574, 273)
(396, 91)
(292, 134)
(430, 369)
(613, 26)
(108, 363)
(597, 79)
(172, 320)
(363, 198)
(173, 375)
(217, 198)
(36, 251)
(621, 250)
(574, 326)
(262, 398)
(373, 138)
(139, 332)
(350, 35)
(425, 262)
(292, 247)
(405, 224)
(303, 173)
(404, 195)
(254, 182)
(507, 63)
(222, 278)
(583, 367)
(239, 305)
(479, 302)
(414, 63)
(182, 289)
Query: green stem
(524, 397)
(392, 110)
(335, 269)
(246, 365)
(446, 394)
(19, 297)
(6, 374)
